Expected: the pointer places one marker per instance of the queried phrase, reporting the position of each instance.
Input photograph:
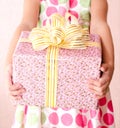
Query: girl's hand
(16, 90)
(100, 87)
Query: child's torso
(78, 8)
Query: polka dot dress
(37, 117)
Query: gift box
(56, 76)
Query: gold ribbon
(58, 33)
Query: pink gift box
(75, 68)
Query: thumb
(104, 67)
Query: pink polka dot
(74, 13)
(81, 120)
(73, 3)
(55, 2)
(110, 106)
(90, 125)
(62, 10)
(67, 119)
(92, 113)
(51, 10)
(53, 118)
(108, 119)
(102, 101)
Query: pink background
(10, 15)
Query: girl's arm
(100, 26)
(28, 21)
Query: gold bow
(58, 33)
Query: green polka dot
(43, 118)
(32, 119)
(19, 116)
(85, 15)
(42, 8)
(63, 1)
(85, 3)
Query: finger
(95, 89)
(14, 87)
(97, 83)
(17, 92)
(104, 79)
(100, 91)
(104, 67)
(15, 97)
(98, 94)
(94, 82)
